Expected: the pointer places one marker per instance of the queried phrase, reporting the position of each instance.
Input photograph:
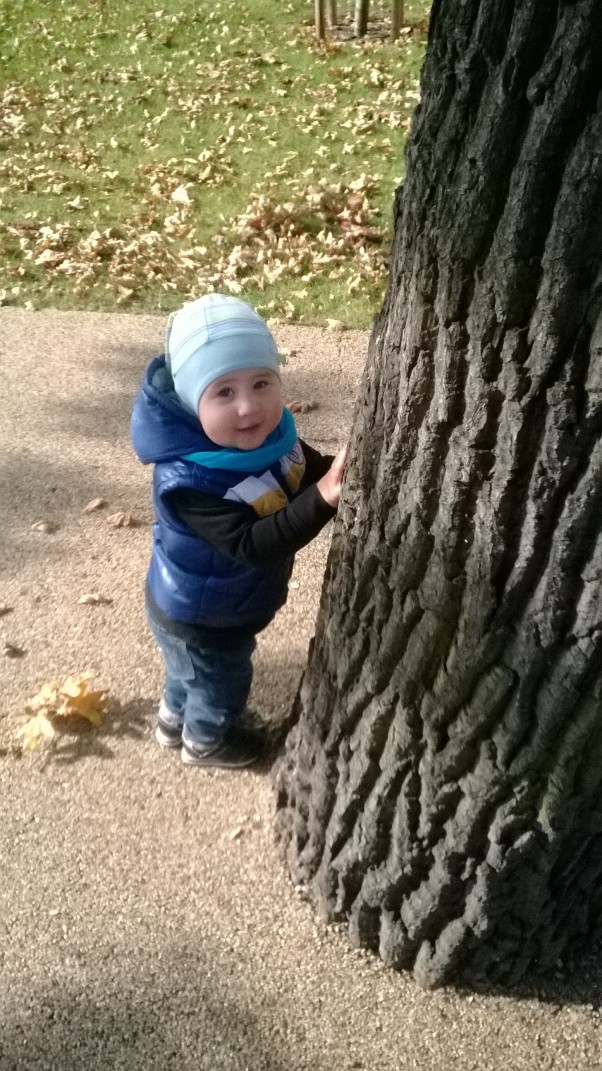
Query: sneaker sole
(214, 760)
(166, 741)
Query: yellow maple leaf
(36, 730)
(76, 699)
(45, 697)
(75, 686)
(61, 700)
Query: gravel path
(147, 920)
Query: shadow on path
(188, 1010)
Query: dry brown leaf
(10, 650)
(36, 730)
(5, 609)
(180, 196)
(122, 519)
(45, 526)
(301, 407)
(58, 701)
(94, 504)
(50, 257)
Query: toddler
(235, 494)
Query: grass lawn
(150, 152)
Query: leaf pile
(315, 232)
(58, 703)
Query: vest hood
(162, 428)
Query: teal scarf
(278, 443)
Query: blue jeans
(206, 688)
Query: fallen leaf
(301, 407)
(4, 609)
(92, 598)
(181, 196)
(49, 257)
(58, 701)
(45, 526)
(96, 503)
(12, 651)
(35, 731)
(122, 520)
(78, 700)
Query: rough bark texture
(396, 18)
(320, 18)
(362, 9)
(442, 786)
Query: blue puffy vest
(193, 583)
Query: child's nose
(246, 403)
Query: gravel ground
(147, 920)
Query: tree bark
(362, 8)
(320, 19)
(396, 19)
(442, 786)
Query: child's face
(240, 409)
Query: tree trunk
(396, 19)
(442, 786)
(320, 18)
(362, 8)
(332, 13)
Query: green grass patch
(149, 154)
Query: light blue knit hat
(211, 336)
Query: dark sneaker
(167, 734)
(240, 747)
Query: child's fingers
(340, 461)
(340, 458)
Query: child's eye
(225, 392)
(260, 383)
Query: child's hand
(330, 484)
